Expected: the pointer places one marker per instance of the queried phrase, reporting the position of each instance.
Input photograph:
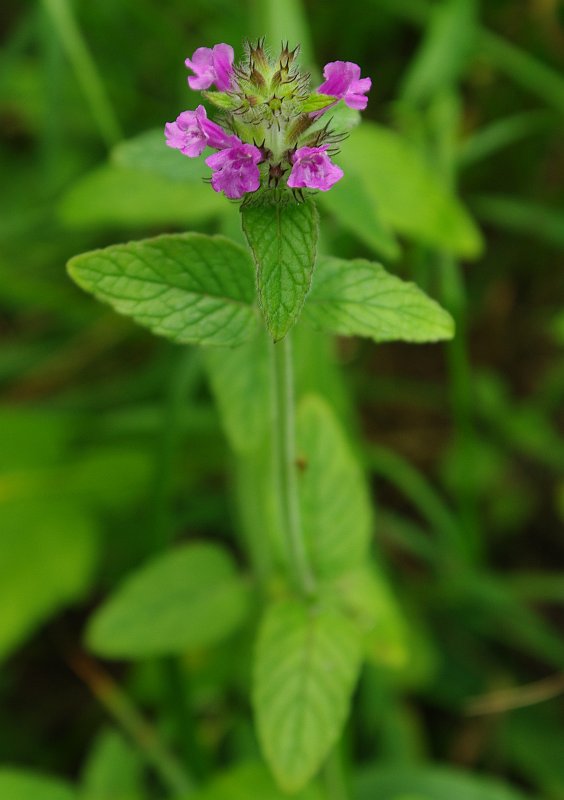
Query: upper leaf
(336, 509)
(248, 781)
(315, 102)
(191, 597)
(18, 784)
(189, 287)
(307, 663)
(359, 298)
(282, 235)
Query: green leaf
(282, 235)
(351, 205)
(307, 663)
(115, 197)
(445, 51)
(336, 512)
(521, 217)
(191, 288)
(315, 102)
(407, 193)
(359, 298)
(247, 782)
(114, 770)
(222, 99)
(190, 598)
(240, 381)
(149, 153)
(429, 783)
(367, 598)
(47, 557)
(18, 784)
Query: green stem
(286, 464)
(85, 69)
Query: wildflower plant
(272, 145)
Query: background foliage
(111, 446)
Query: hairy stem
(286, 464)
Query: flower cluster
(270, 132)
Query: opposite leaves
(359, 298)
(191, 288)
(282, 235)
(307, 663)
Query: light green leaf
(240, 381)
(307, 663)
(47, 555)
(431, 783)
(368, 599)
(148, 152)
(115, 197)
(336, 511)
(359, 298)
(406, 192)
(282, 235)
(18, 784)
(114, 770)
(353, 208)
(190, 598)
(191, 288)
(448, 43)
(315, 102)
(250, 782)
(222, 99)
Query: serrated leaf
(250, 781)
(47, 556)
(190, 598)
(367, 598)
(430, 783)
(315, 102)
(282, 235)
(116, 197)
(306, 666)
(336, 513)
(191, 288)
(406, 192)
(240, 380)
(19, 784)
(359, 298)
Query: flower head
(313, 169)
(211, 65)
(342, 80)
(192, 132)
(235, 170)
(269, 116)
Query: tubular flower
(269, 133)
(312, 168)
(342, 80)
(211, 65)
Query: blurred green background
(110, 445)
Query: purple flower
(211, 65)
(235, 169)
(193, 132)
(342, 80)
(313, 169)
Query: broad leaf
(359, 298)
(240, 380)
(47, 556)
(406, 192)
(336, 511)
(282, 235)
(116, 197)
(368, 600)
(18, 784)
(430, 783)
(192, 597)
(307, 663)
(188, 287)
(250, 782)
